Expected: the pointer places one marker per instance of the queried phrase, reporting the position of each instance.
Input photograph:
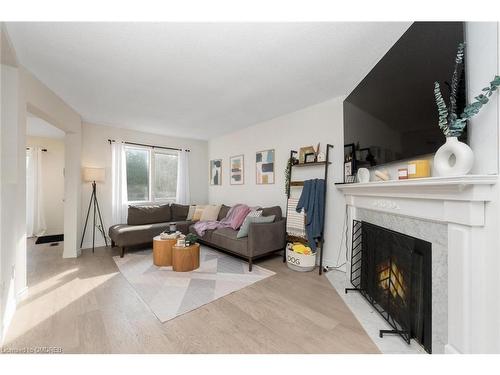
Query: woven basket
(300, 262)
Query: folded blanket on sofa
(234, 218)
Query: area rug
(170, 294)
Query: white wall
(12, 243)
(482, 65)
(22, 92)
(483, 43)
(319, 123)
(96, 152)
(40, 101)
(52, 181)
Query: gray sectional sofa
(146, 222)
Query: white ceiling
(198, 80)
(36, 127)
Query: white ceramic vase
(363, 175)
(454, 158)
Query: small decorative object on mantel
(419, 169)
(348, 171)
(350, 179)
(402, 173)
(363, 175)
(455, 158)
(383, 175)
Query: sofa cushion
(223, 212)
(275, 210)
(191, 211)
(210, 213)
(125, 235)
(226, 239)
(198, 212)
(179, 211)
(243, 232)
(150, 214)
(238, 217)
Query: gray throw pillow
(243, 232)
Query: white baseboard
(10, 308)
(22, 294)
(450, 349)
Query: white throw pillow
(191, 211)
(210, 213)
(198, 212)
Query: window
(165, 175)
(151, 174)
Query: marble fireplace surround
(446, 211)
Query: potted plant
(453, 124)
(190, 239)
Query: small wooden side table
(162, 251)
(185, 259)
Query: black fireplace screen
(393, 272)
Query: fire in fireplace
(391, 280)
(393, 272)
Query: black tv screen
(391, 115)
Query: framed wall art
(216, 172)
(264, 167)
(237, 170)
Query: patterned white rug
(170, 294)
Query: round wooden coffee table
(162, 251)
(185, 259)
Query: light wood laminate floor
(85, 305)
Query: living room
(304, 187)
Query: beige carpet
(170, 294)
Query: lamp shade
(93, 174)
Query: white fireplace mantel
(458, 200)
(461, 204)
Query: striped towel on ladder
(295, 221)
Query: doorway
(45, 155)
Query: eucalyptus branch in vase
(450, 123)
(455, 158)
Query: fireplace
(393, 271)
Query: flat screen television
(392, 115)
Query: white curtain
(183, 196)
(119, 205)
(35, 214)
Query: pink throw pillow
(239, 218)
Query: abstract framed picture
(216, 172)
(237, 170)
(264, 167)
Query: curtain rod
(152, 146)
(43, 149)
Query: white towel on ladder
(295, 221)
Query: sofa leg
(123, 252)
(112, 243)
(249, 264)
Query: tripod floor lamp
(94, 175)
